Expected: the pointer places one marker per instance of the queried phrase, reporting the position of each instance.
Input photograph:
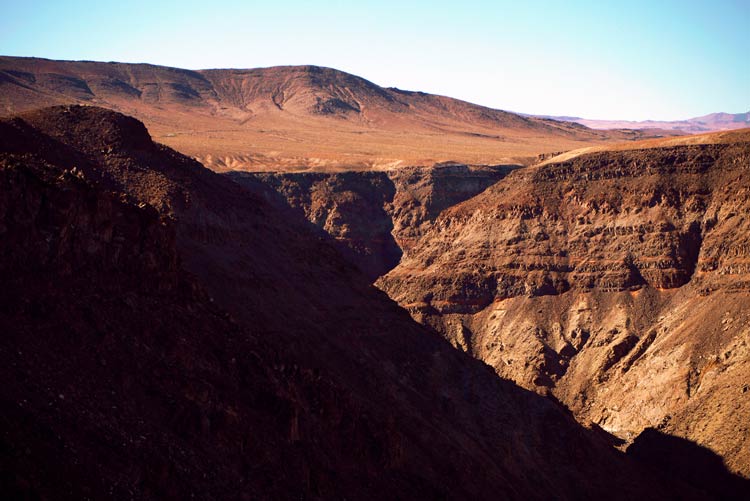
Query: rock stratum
(168, 333)
(292, 118)
(617, 282)
(376, 217)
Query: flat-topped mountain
(293, 117)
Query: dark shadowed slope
(375, 217)
(288, 377)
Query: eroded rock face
(613, 222)
(351, 207)
(68, 227)
(169, 334)
(423, 193)
(615, 281)
(375, 217)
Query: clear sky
(620, 59)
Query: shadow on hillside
(355, 201)
(692, 471)
(686, 461)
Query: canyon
(169, 333)
(291, 282)
(614, 281)
(376, 217)
(572, 314)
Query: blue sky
(657, 59)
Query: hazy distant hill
(706, 123)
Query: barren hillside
(292, 118)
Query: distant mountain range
(706, 123)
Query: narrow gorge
(615, 282)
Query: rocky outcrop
(611, 222)
(375, 217)
(351, 207)
(169, 334)
(54, 221)
(423, 193)
(614, 281)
